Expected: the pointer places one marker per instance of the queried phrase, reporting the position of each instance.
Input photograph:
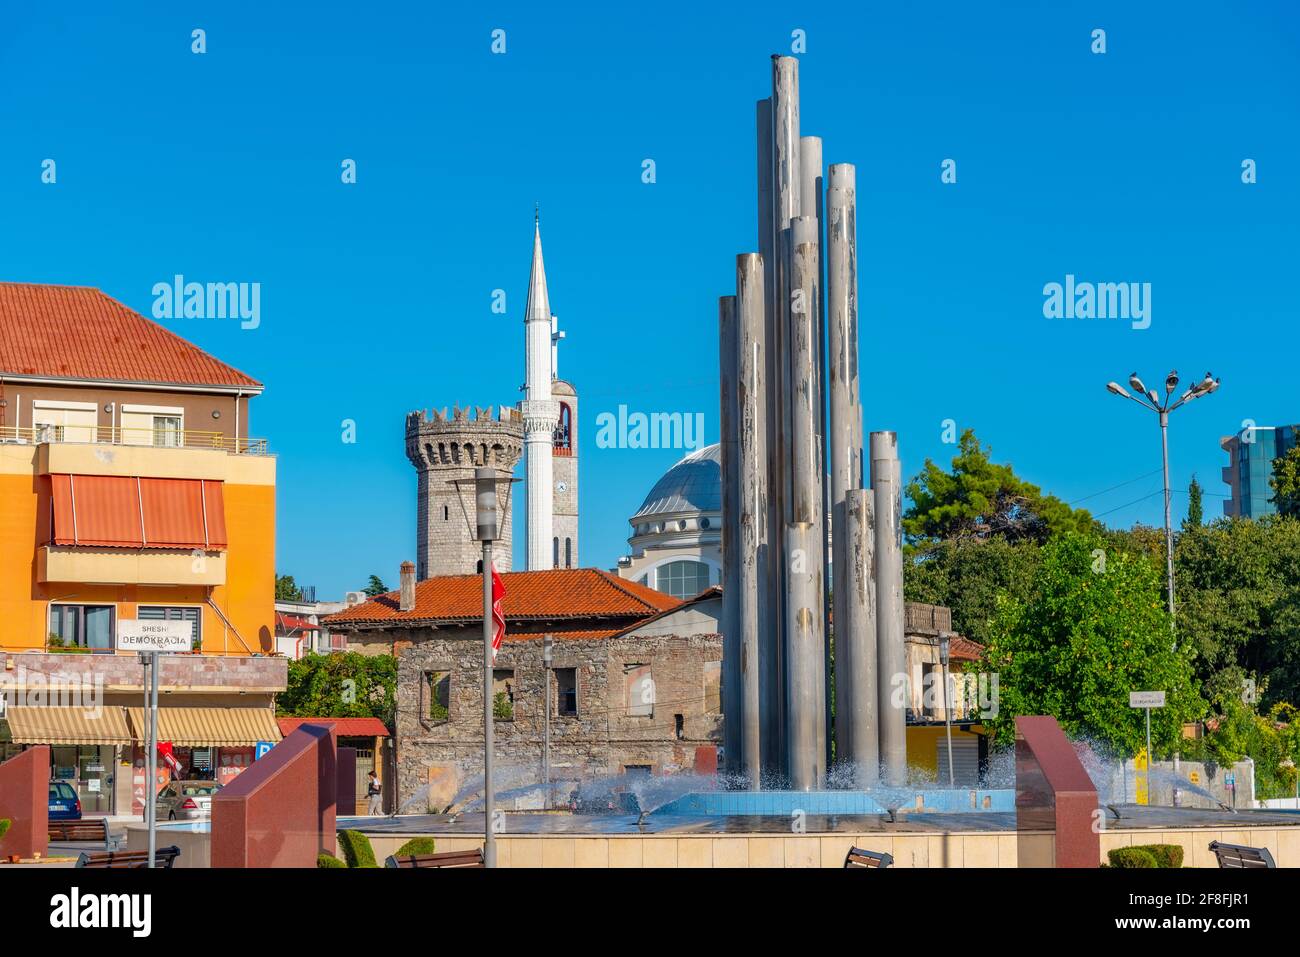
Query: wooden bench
(1241, 856)
(471, 858)
(164, 857)
(857, 857)
(89, 829)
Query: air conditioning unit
(356, 598)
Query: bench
(471, 858)
(857, 857)
(163, 857)
(1241, 856)
(89, 829)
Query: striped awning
(31, 725)
(209, 727)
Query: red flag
(168, 757)
(498, 615)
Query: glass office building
(1251, 452)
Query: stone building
(445, 450)
(634, 681)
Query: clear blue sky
(376, 297)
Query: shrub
(1166, 855)
(1132, 857)
(4, 827)
(416, 845)
(356, 849)
(328, 860)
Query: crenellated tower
(446, 447)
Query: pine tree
(1195, 514)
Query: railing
(161, 438)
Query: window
(503, 694)
(568, 553)
(191, 614)
(82, 626)
(705, 523)
(446, 511)
(437, 695)
(679, 726)
(683, 578)
(555, 553)
(167, 431)
(639, 688)
(638, 770)
(566, 682)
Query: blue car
(64, 803)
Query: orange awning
(125, 512)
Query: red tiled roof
(343, 727)
(556, 595)
(75, 332)
(963, 649)
(287, 622)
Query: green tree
(286, 589)
(979, 499)
(1195, 513)
(1285, 483)
(376, 587)
(340, 685)
(1238, 590)
(968, 576)
(1093, 628)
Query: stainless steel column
(855, 655)
(733, 715)
(891, 677)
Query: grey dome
(692, 485)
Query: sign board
(262, 749)
(152, 637)
(1146, 699)
(1194, 777)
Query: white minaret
(541, 414)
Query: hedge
(416, 845)
(328, 860)
(356, 849)
(1130, 857)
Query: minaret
(541, 414)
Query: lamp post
(548, 650)
(947, 707)
(1148, 399)
(487, 530)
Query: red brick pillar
(25, 800)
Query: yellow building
(129, 490)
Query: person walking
(373, 791)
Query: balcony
(120, 672)
(129, 566)
(162, 438)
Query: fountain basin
(785, 803)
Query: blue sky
(376, 297)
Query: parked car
(186, 800)
(64, 803)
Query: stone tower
(564, 520)
(446, 447)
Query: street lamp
(1148, 399)
(548, 661)
(487, 529)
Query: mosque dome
(692, 486)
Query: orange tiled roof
(556, 595)
(963, 649)
(75, 332)
(344, 727)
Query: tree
(979, 499)
(286, 589)
(1285, 483)
(1194, 509)
(968, 575)
(376, 587)
(1093, 628)
(341, 685)
(1238, 591)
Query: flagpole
(489, 838)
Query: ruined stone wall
(444, 755)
